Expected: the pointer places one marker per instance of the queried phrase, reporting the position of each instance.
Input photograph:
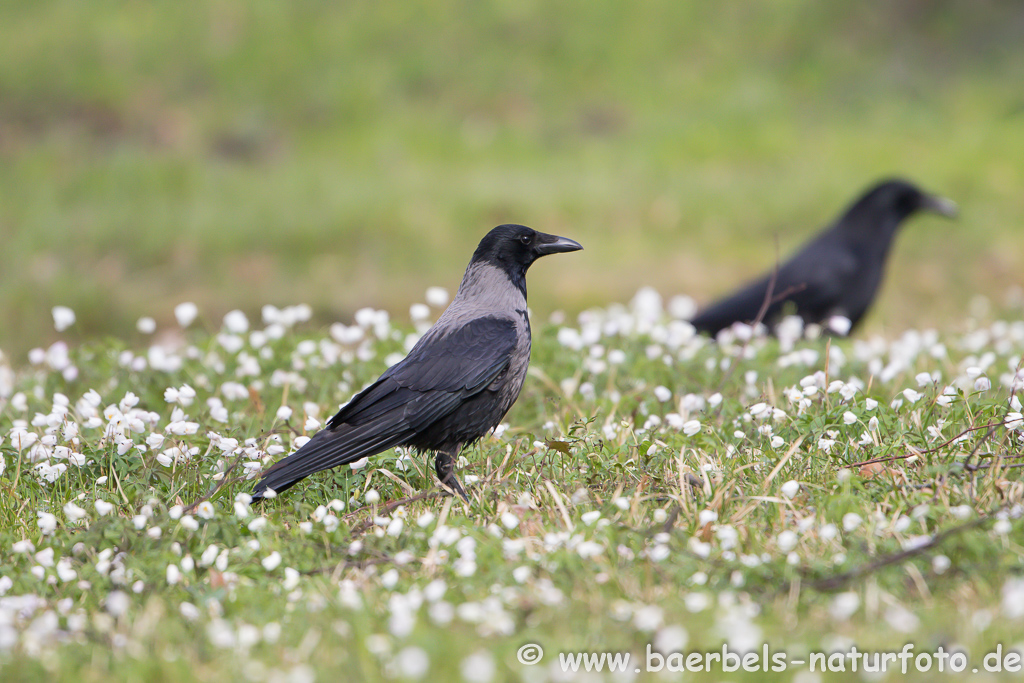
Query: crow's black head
(886, 204)
(513, 248)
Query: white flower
(205, 510)
(412, 663)
(662, 393)
(790, 488)
(901, 619)
(189, 611)
(236, 322)
(103, 507)
(371, 496)
(840, 325)
(786, 540)
(271, 561)
(45, 557)
(682, 307)
(186, 313)
(849, 418)
(697, 602)
(117, 603)
(389, 579)
(844, 606)
(419, 312)
(691, 427)
(911, 395)
(50, 473)
(478, 667)
(284, 413)
(570, 339)
(209, 555)
(961, 511)
(657, 553)
(589, 518)
(851, 520)
(63, 318)
(73, 512)
(437, 296)
(648, 617)
(182, 428)
(146, 325)
(1013, 597)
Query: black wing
(813, 280)
(441, 371)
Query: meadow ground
(652, 495)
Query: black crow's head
(513, 248)
(891, 201)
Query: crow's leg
(444, 463)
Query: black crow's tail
(329, 448)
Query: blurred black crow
(838, 272)
(458, 381)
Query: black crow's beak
(940, 205)
(553, 244)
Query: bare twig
(361, 528)
(761, 313)
(891, 458)
(836, 582)
(224, 481)
(346, 564)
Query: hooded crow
(839, 271)
(458, 381)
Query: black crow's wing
(458, 363)
(813, 280)
(818, 277)
(441, 371)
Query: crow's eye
(526, 239)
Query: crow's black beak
(940, 205)
(553, 244)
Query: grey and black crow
(839, 271)
(458, 381)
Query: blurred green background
(347, 154)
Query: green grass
(584, 532)
(242, 153)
